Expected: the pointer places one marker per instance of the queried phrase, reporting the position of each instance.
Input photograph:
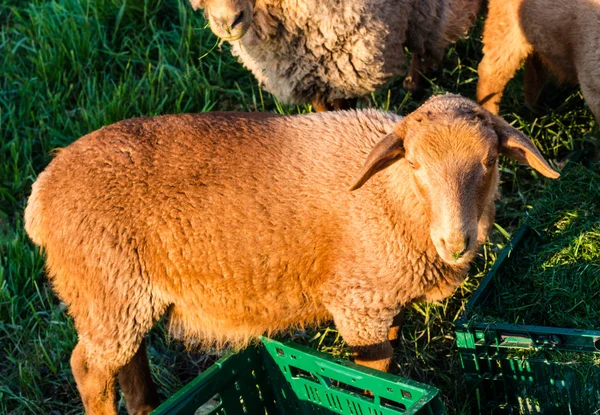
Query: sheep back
(345, 49)
(339, 49)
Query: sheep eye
(411, 164)
(490, 162)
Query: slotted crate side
(239, 382)
(533, 386)
(286, 378)
(506, 384)
(309, 382)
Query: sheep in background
(559, 36)
(331, 52)
(240, 224)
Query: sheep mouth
(457, 260)
(230, 35)
(233, 38)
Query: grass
(554, 278)
(72, 66)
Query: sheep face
(229, 19)
(450, 147)
(454, 174)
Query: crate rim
(432, 391)
(428, 392)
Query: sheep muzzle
(229, 19)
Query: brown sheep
(562, 36)
(331, 52)
(242, 224)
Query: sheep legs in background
(590, 88)
(137, 385)
(320, 105)
(535, 80)
(414, 81)
(394, 331)
(504, 50)
(536, 74)
(345, 104)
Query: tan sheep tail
(34, 215)
(460, 18)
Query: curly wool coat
(344, 49)
(239, 224)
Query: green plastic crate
(499, 383)
(287, 378)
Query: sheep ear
(385, 153)
(197, 4)
(516, 145)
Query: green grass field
(565, 253)
(72, 66)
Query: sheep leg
(505, 47)
(111, 345)
(535, 78)
(591, 92)
(320, 105)
(137, 385)
(590, 88)
(344, 104)
(394, 331)
(367, 338)
(414, 81)
(376, 356)
(96, 382)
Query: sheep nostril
(467, 242)
(238, 19)
(220, 22)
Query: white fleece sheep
(337, 49)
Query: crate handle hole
(597, 343)
(388, 403)
(296, 372)
(210, 405)
(339, 385)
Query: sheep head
(229, 19)
(450, 146)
